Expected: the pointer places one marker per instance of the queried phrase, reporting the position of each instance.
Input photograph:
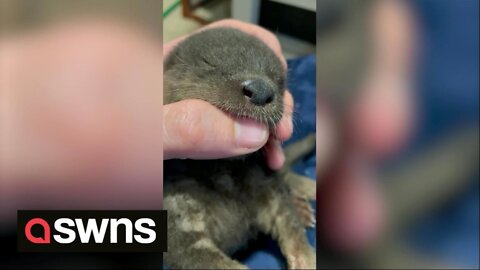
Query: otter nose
(259, 92)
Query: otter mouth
(268, 115)
(270, 120)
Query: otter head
(230, 69)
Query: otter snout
(258, 91)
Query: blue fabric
(448, 95)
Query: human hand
(196, 129)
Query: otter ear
(171, 60)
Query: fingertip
(274, 154)
(288, 98)
(284, 129)
(285, 126)
(250, 134)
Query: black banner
(91, 231)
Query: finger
(196, 129)
(350, 207)
(384, 114)
(382, 118)
(274, 154)
(327, 137)
(273, 150)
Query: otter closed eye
(208, 63)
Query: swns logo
(92, 231)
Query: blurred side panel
(80, 117)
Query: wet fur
(216, 206)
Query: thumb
(196, 129)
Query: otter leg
(301, 186)
(189, 243)
(280, 219)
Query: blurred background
(80, 116)
(293, 22)
(447, 93)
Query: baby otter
(216, 206)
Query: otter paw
(306, 212)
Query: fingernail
(286, 128)
(250, 134)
